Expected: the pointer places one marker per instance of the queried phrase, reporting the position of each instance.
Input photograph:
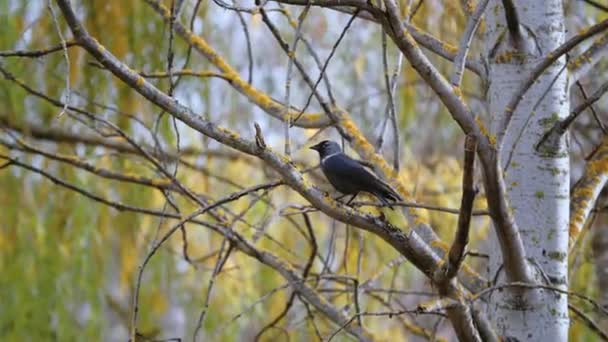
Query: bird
(350, 177)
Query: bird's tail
(386, 194)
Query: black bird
(349, 176)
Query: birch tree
(510, 86)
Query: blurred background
(69, 264)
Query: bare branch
(162, 184)
(290, 56)
(66, 57)
(551, 138)
(60, 135)
(256, 96)
(40, 52)
(311, 51)
(435, 45)
(303, 71)
(511, 246)
(597, 5)
(307, 269)
(331, 53)
(586, 191)
(595, 115)
(183, 72)
(498, 287)
(221, 261)
(589, 322)
(465, 42)
(461, 239)
(540, 68)
(582, 64)
(512, 19)
(391, 107)
(408, 245)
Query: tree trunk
(537, 183)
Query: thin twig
(398, 204)
(311, 51)
(40, 52)
(390, 314)
(64, 46)
(456, 254)
(232, 197)
(307, 269)
(331, 53)
(591, 324)
(560, 127)
(597, 5)
(285, 47)
(597, 306)
(391, 107)
(538, 70)
(290, 56)
(465, 42)
(221, 261)
(248, 41)
(523, 128)
(595, 115)
(388, 109)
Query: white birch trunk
(537, 185)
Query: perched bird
(349, 176)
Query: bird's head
(326, 148)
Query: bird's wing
(364, 163)
(344, 167)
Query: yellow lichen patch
(440, 245)
(505, 57)
(469, 7)
(255, 95)
(585, 193)
(469, 271)
(99, 47)
(484, 130)
(481, 30)
(451, 49)
(419, 216)
(457, 91)
(139, 82)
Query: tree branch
(583, 63)
(511, 244)
(58, 135)
(456, 255)
(433, 44)
(265, 102)
(586, 191)
(465, 42)
(409, 245)
(512, 19)
(551, 138)
(40, 52)
(505, 118)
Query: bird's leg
(352, 198)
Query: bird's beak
(316, 147)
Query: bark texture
(537, 181)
